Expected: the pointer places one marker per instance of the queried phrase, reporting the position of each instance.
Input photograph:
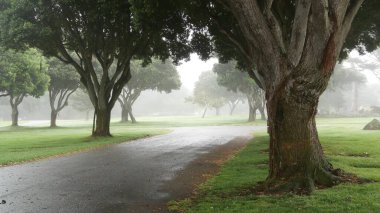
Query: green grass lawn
(342, 139)
(34, 140)
(31, 143)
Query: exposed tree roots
(304, 185)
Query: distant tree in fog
(208, 94)
(64, 81)
(22, 74)
(342, 81)
(82, 103)
(157, 76)
(237, 80)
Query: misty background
(353, 94)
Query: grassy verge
(34, 140)
(31, 143)
(347, 147)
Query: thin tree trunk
(204, 112)
(133, 119)
(53, 118)
(15, 115)
(232, 108)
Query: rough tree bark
(294, 72)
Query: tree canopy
(207, 92)
(64, 81)
(99, 33)
(290, 49)
(22, 74)
(237, 80)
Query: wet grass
(35, 140)
(347, 147)
(153, 121)
(31, 143)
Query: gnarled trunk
(53, 118)
(296, 158)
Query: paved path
(126, 177)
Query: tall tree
(236, 80)
(89, 33)
(157, 76)
(64, 81)
(290, 48)
(208, 94)
(22, 74)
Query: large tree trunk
(102, 122)
(294, 64)
(53, 118)
(15, 115)
(252, 114)
(296, 159)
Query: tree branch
(299, 30)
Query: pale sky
(190, 71)
(367, 58)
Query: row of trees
(289, 48)
(228, 85)
(28, 73)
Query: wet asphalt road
(126, 177)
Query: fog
(346, 99)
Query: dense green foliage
(90, 34)
(23, 73)
(346, 145)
